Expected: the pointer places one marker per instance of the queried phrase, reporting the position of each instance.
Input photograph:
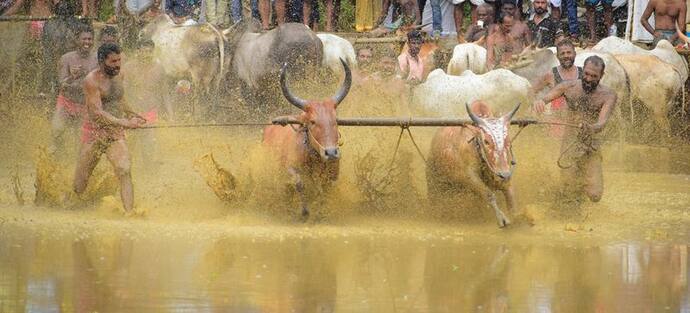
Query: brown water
(300, 271)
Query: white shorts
(475, 2)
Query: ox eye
(486, 142)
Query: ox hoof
(305, 215)
(503, 221)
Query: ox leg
(299, 187)
(480, 187)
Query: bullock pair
(477, 156)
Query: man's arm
(92, 99)
(555, 92)
(490, 57)
(681, 19)
(527, 35)
(541, 82)
(605, 113)
(644, 20)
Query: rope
(202, 125)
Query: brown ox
(477, 157)
(312, 149)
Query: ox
(195, 52)
(334, 49)
(446, 95)
(257, 57)
(476, 157)
(664, 50)
(467, 56)
(312, 150)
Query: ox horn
(473, 117)
(294, 100)
(681, 34)
(510, 115)
(345, 88)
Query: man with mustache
(72, 69)
(105, 120)
(565, 53)
(544, 29)
(589, 105)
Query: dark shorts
(595, 2)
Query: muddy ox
(478, 158)
(257, 57)
(312, 149)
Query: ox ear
(294, 100)
(510, 114)
(345, 88)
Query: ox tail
(628, 84)
(221, 47)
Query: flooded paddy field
(374, 242)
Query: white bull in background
(467, 56)
(664, 50)
(334, 49)
(446, 95)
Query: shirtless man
(501, 45)
(105, 120)
(73, 67)
(590, 106)
(484, 25)
(667, 13)
(519, 31)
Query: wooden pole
(402, 121)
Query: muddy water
(123, 272)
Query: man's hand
(656, 34)
(135, 122)
(539, 106)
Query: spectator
(515, 9)
(591, 6)
(217, 12)
(667, 14)
(331, 14)
(411, 67)
(520, 32)
(458, 13)
(501, 45)
(236, 10)
(484, 25)
(555, 9)
(265, 12)
(109, 34)
(544, 29)
(573, 23)
(182, 11)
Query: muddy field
(374, 242)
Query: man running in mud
(589, 105)
(105, 120)
(73, 67)
(667, 13)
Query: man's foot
(134, 213)
(436, 35)
(575, 39)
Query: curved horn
(510, 115)
(473, 117)
(345, 88)
(681, 35)
(299, 103)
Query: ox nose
(504, 175)
(332, 153)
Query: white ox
(446, 95)
(664, 50)
(467, 56)
(334, 49)
(195, 52)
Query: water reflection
(337, 274)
